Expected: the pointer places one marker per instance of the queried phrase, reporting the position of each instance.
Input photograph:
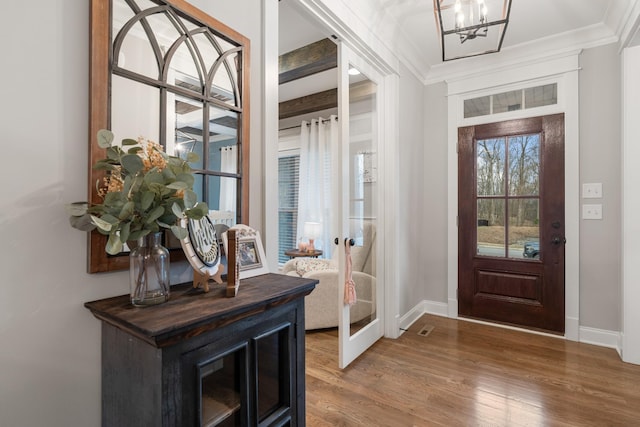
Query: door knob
(556, 240)
(350, 241)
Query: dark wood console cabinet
(204, 359)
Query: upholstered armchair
(321, 306)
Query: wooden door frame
(563, 71)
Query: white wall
(411, 215)
(435, 200)
(49, 343)
(600, 145)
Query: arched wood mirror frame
(103, 68)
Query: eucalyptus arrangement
(144, 191)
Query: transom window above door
(513, 100)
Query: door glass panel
(363, 189)
(508, 221)
(524, 165)
(491, 155)
(491, 227)
(524, 230)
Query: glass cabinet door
(222, 383)
(274, 372)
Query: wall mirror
(166, 71)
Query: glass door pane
(359, 94)
(508, 199)
(221, 389)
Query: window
(508, 196)
(288, 167)
(513, 100)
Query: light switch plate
(592, 190)
(591, 211)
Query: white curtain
(314, 185)
(228, 164)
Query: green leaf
(197, 212)
(180, 232)
(114, 245)
(105, 138)
(177, 210)
(187, 178)
(155, 214)
(77, 208)
(153, 176)
(103, 166)
(132, 163)
(178, 185)
(115, 198)
(203, 207)
(190, 199)
(114, 154)
(146, 200)
(101, 224)
(82, 223)
(135, 235)
(110, 219)
(125, 232)
(129, 141)
(192, 157)
(126, 212)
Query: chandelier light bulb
(460, 19)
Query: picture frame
(251, 260)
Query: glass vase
(149, 271)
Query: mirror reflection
(176, 79)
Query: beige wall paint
(600, 161)
(435, 194)
(411, 215)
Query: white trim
(600, 337)
(270, 129)
(630, 250)
(564, 71)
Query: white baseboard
(601, 337)
(408, 319)
(436, 308)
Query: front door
(511, 222)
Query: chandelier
(471, 27)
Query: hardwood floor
(467, 374)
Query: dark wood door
(511, 222)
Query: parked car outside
(531, 250)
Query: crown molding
(624, 18)
(548, 47)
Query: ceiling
(409, 28)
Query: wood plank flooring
(467, 374)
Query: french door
(511, 222)
(357, 198)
